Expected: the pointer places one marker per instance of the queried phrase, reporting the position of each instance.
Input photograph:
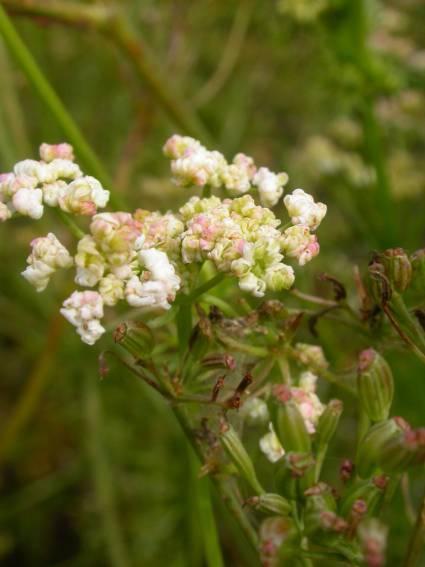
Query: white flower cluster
(55, 180)
(144, 257)
(193, 164)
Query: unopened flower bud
(375, 385)
(328, 422)
(371, 449)
(346, 470)
(238, 455)
(403, 451)
(294, 474)
(398, 268)
(317, 503)
(270, 502)
(373, 540)
(379, 284)
(367, 491)
(290, 425)
(418, 268)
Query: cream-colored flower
(271, 446)
(47, 255)
(84, 309)
(303, 210)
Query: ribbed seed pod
(375, 385)
(370, 452)
(398, 268)
(237, 453)
(291, 429)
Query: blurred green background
(97, 472)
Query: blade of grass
(102, 475)
(47, 94)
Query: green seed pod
(328, 422)
(370, 492)
(289, 424)
(293, 472)
(317, 502)
(375, 385)
(418, 269)
(398, 268)
(273, 503)
(379, 285)
(237, 453)
(370, 452)
(403, 451)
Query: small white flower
(251, 284)
(52, 192)
(29, 202)
(298, 242)
(49, 152)
(5, 212)
(111, 289)
(160, 267)
(84, 310)
(36, 169)
(64, 169)
(270, 445)
(308, 381)
(83, 196)
(89, 261)
(255, 410)
(270, 186)
(303, 210)
(47, 255)
(147, 294)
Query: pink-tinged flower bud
(375, 385)
(275, 534)
(319, 499)
(346, 470)
(398, 268)
(49, 152)
(84, 310)
(240, 458)
(371, 449)
(373, 540)
(369, 492)
(403, 451)
(294, 475)
(136, 338)
(270, 502)
(418, 268)
(289, 423)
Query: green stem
(373, 138)
(117, 28)
(417, 541)
(102, 476)
(52, 101)
(208, 526)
